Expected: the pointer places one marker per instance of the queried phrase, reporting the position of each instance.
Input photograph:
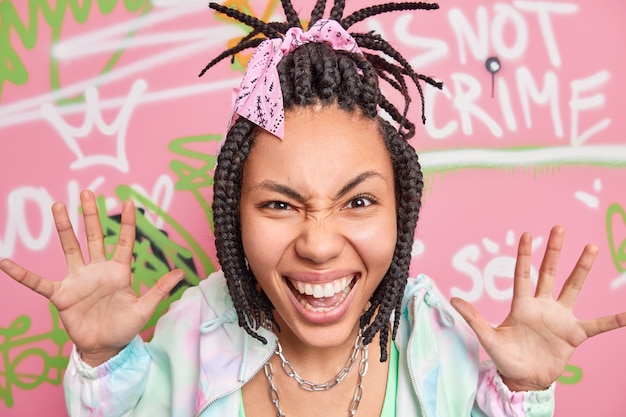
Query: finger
(33, 281)
(69, 243)
(126, 240)
(604, 324)
(93, 227)
(522, 285)
(550, 262)
(159, 291)
(483, 329)
(577, 278)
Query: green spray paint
(44, 349)
(195, 178)
(154, 254)
(571, 375)
(617, 244)
(27, 29)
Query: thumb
(160, 290)
(483, 329)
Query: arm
(113, 388)
(139, 380)
(531, 347)
(96, 302)
(495, 399)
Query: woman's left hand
(536, 340)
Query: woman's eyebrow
(282, 189)
(356, 181)
(295, 195)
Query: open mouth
(320, 298)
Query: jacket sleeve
(139, 380)
(111, 389)
(494, 399)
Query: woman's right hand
(96, 302)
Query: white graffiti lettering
(93, 117)
(28, 206)
(488, 278)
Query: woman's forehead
(321, 145)
(324, 133)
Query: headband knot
(259, 97)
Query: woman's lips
(322, 297)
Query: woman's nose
(319, 241)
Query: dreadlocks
(316, 73)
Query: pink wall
(105, 96)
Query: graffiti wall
(528, 132)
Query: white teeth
(322, 290)
(329, 290)
(318, 291)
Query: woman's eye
(277, 205)
(360, 202)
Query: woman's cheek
(375, 241)
(264, 242)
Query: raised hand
(536, 340)
(96, 302)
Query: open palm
(531, 347)
(96, 302)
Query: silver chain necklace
(311, 386)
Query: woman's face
(318, 221)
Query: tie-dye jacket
(199, 358)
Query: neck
(320, 363)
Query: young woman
(316, 199)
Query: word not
(575, 100)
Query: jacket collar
(229, 357)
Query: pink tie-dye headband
(259, 98)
